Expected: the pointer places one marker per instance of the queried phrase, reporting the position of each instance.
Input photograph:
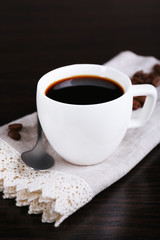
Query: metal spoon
(37, 158)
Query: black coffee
(84, 90)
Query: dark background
(40, 35)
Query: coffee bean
(157, 68)
(15, 126)
(140, 77)
(156, 81)
(136, 104)
(141, 99)
(14, 134)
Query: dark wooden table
(39, 35)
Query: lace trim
(54, 194)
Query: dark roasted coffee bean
(141, 99)
(156, 81)
(157, 68)
(139, 78)
(136, 104)
(15, 126)
(14, 134)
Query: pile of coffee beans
(140, 77)
(13, 131)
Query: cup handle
(151, 96)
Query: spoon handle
(39, 130)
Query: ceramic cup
(88, 134)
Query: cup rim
(82, 65)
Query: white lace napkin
(64, 189)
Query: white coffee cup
(88, 134)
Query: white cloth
(62, 190)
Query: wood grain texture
(38, 36)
